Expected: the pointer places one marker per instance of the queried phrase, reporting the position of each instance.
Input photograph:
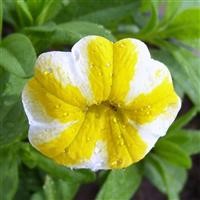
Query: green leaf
(10, 130)
(107, 15)
(173, 153)
(41, 36)
(71, 32)
(58, 189)
(168, 178)
(10, 63)
(50, 10)
(1, 17)
(184, 25)
(19, 55)
(35, 7)
(171, 9)
(33, 158)
(9, 173)
(28, 186)
(120, 184)
(23, 12)
(183, 120)
(105, 12)
(189, 140)
(152, 23)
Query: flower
(101, 106)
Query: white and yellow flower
(101, 106)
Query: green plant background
(170, 28)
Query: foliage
(172, 32)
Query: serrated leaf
(9, 173)
(120, 184)
(20, 55)
(173, 153)
(71, 32)
(33, 158)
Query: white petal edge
(98, 160)
(146, 76)
(152, 131)
(67, 68)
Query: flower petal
(128, 55)
(151, 131)
(94, 55)
(103, 141)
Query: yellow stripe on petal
(59, 144)
(91, 131)
(123, 144)
(147, 107)
(69, 93)
(124, 60)
(52, 105)
(100, 58)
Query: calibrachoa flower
(103, 105)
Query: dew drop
(65, 114)
(46, 73)
(57, 106)
(147, 112)
(99, 73)
(97, 150)
(107, 64)
(76, 54)
(113, 163)
(114, 120)
(92, 65)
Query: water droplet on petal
(99, 73)
(65, 114)
(107, 64)
(57, 106)
(114, 120)
(76, 54)
(147, 112)
(46, 73)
